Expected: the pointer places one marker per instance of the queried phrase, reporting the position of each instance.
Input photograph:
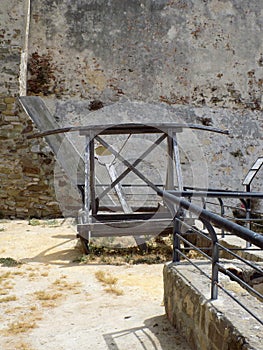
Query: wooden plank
(125, 228)
(170, 165)
(64, 150)
(118, 188)
(132, 216)
(109, 129)
(177, 163)
(128, 165)
(128, 170)
(125, 205)
(66, 153)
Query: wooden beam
(124, 228)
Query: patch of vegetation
(105, 278)
(9, 262)
(20, 327)
(44, 274)
(4, 276)
(52, 222)
(43, 223)
(62, 285)
(8, 298)
(3, 291)
(34, 222)
(114, 290)
(158, 251)
(22, 346)
(5, 286)
(109, 282)
(44, 295)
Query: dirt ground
(54, 301)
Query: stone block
(6, 170)
(8, 112)
(31, 170)
(10, 100)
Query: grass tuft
(62, 284)
(109, 282)
(44, 296)
(34, 222)
(114, 290)
(20, 327)
(106, 279)
(9, 262)
(23, 346)
(8, 298)
(43, 223)
(4, 276)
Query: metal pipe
(229, 226)
(217, 194)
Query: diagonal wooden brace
(130, 167)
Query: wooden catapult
(113, 219)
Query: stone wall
(209, 324)
(25, 169)
(205, 54)
(191, 52)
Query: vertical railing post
(248, 214)
(87, 180)
(215, 259)
(93, 205)
(176, 240)
(222, 213)
(175, 213)
(169, 185)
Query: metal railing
(178, 206)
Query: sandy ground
(50, 302)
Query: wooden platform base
(113, 225)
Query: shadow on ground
(156, 334)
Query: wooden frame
(127, 223)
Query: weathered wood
(125, 205)
(128, 164)
(118, 188)
(124, 228)
(92, 178)
(177, 163)
(66, 153)
(64, 150)
(112, 129)
(131, 216)
(169, 185)
(128, 170)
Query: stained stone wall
(191, 52)
(26, 170)
(195, 54)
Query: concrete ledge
(233, 242)
(210, 325)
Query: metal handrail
(175, 203)
(240, 231)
